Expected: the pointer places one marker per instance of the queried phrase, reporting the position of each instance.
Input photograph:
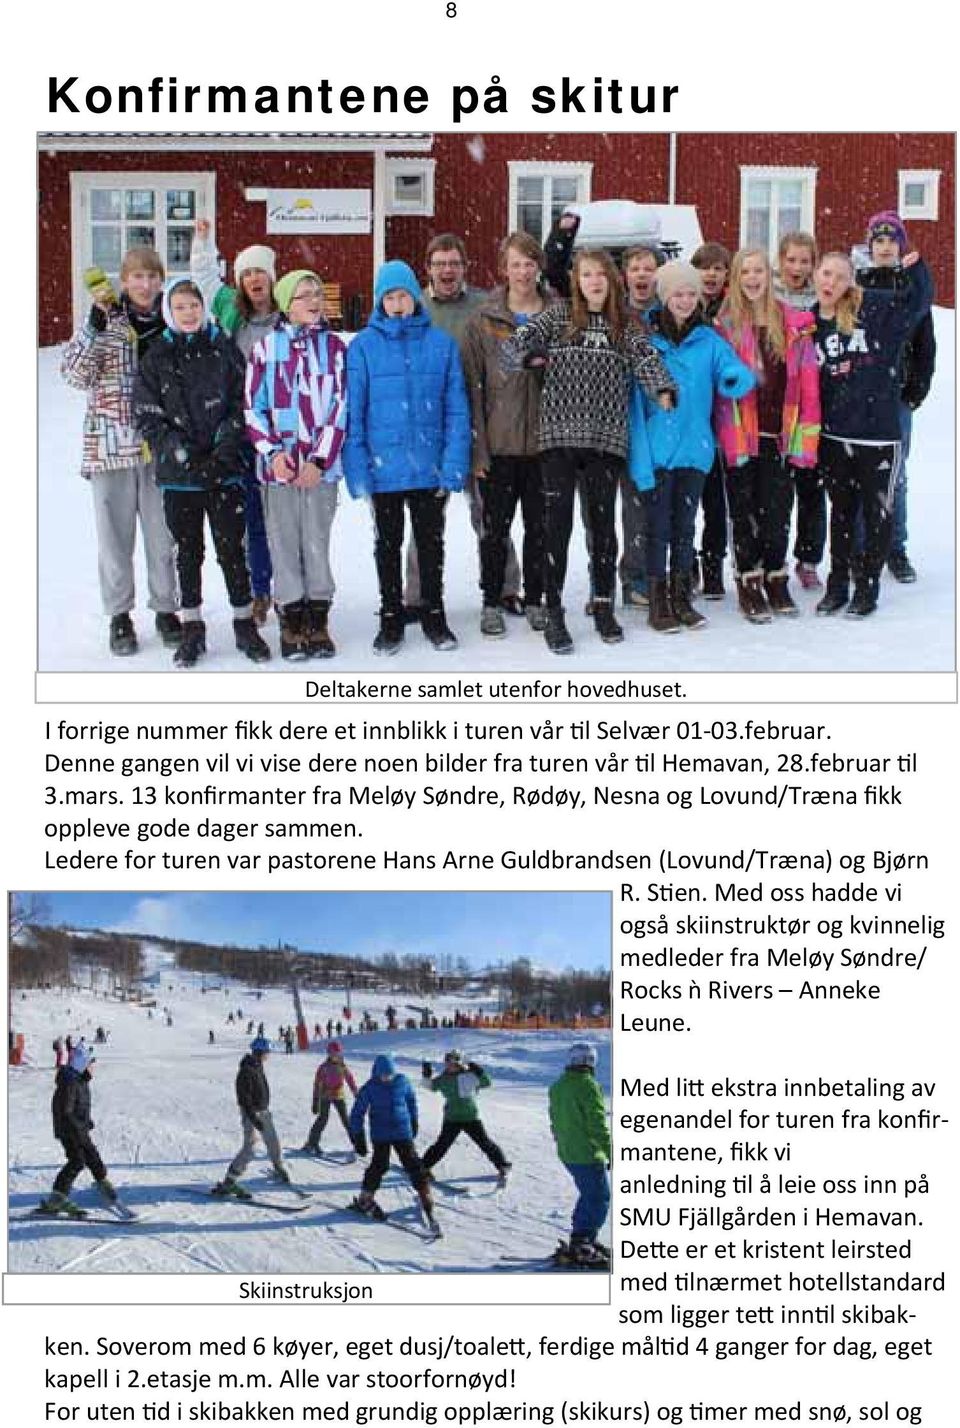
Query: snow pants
(298, 524)
(223, 507)
(380, 1160)
(593, 1202)
(426, 517)
(862, 482)
(267, 1131)
(672, 505)
(81, 1154)
(120, 500)
(760, 493)
(320, 1124)
(477, 1133)
(511, 481)
(599, 474)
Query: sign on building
(318, 210)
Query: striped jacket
(737, 422)
(296, 398)
(104, 364)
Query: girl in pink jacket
(776, 426)
(333, 1076)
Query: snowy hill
(167, 1125)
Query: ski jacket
(587, 379)
(459, 1090)
(329, 1082)
(578, 1118)
(296, 398)
(737, 421)
(409, 422)
(71, 1105)
(188, 403)
(860, 371)
(392, 1106)
(703, 366)
(253, 1092)
(919, 356)
(101, 360)
(505, 405)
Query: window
(539, 193)
(774, 201)
(918, 193)
(410, 186)
(112, 212)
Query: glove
(315, 1108)
(914, 393)
(360, 1145)
(100, 288)
(474, 1068)
(427, 1069)
(97, 319)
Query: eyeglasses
(446, 262)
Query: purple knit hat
(888, 225)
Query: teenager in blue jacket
(408, 444)
(389, 1100)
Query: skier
(328, 1093)
(253, 1098)
(579, 1124)
(458, 1084)
(72, 1124)
(392, 1105)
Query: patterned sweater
(588, 378)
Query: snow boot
(900, 567)
(513, 605)
(293, 633)
(123, 637)
(604, 623)
(56, 1204)
(227, 1189)
(711, 568)
(536, 617)
(249, 641)
(634, 594)
(281, 1175)
(778, 594)
(107, 1191)
(836, 596)
(584, 1251)
(437, 631)
(169, 628)
(660, 616)
(365, 1204)
(492, 622)
(864, 600)
(391, 634)
(555, 632)
(319, 643)
(192, 645)
(752, 599)
(261, 608)
(683, 611)
(807, 575)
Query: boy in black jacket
(72, 1124)
(188, 403)
(253, 1098)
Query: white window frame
(779, 173)
(930, 208)
(399, 168)
(549, 170)
(81, 185)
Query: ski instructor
(253, 1098)
(579, 1123)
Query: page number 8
(451, 10)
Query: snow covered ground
(167, 1125)
(914, 629)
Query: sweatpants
(477, 1133)
(120, 500)
(81, 1154)
(380, 1160)
(511, 481)
(599, 473)
(672, 505)
(593, 1201)
(760, 494)
(632, 569)
(426, 517)
(811, 534)
(224, 508)
(298, 522)
(511, 579)
(861, 481)
(267, 1132)
(713, 538)
(320, 1124)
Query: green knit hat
(284, 289)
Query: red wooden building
(100, 193)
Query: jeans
(713, 540)
(258, 551)
(672, 506)
(591, 1208)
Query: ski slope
(913, 630)
(167, 1125)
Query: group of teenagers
(664, 386)
(386, 1104)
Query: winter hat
(171, 286)
(395, 274)
(260, 1045)
(258, 255)
(581, 1053)
(888, 224)
(284, 290)
(384, 1066)
(334, 1048)
(80, 1058)
(676, 275)
(453, 1056)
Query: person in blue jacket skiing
(389, 1100)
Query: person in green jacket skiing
(578, 1120)
(458, 1084)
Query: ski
(85, 1219)
(259, 1202)
(468, 1192)
(426, 1234)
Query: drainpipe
(379, 209)
(672, 171)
